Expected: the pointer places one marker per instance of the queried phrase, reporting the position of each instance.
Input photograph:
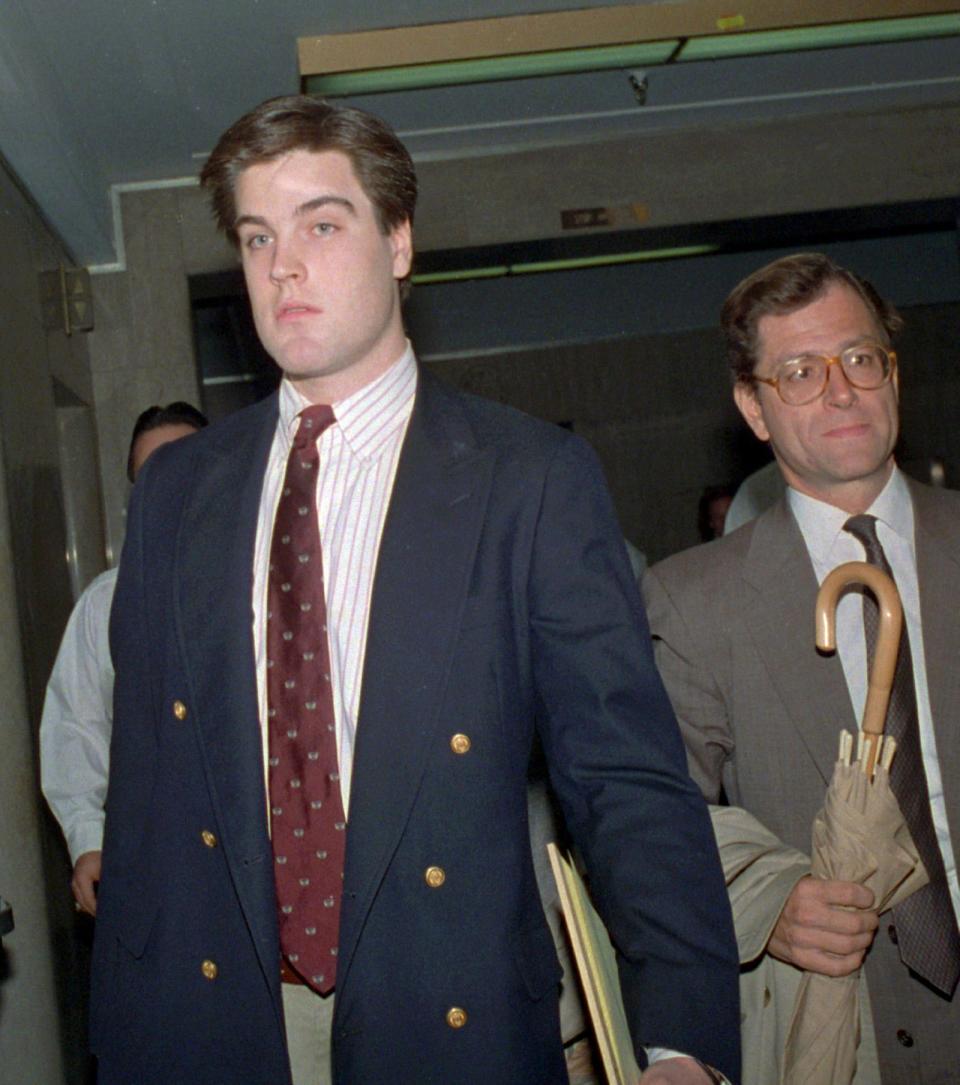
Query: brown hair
(782, 287)
(279, 126)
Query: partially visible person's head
(712, 511)
(158, 426)
(816, 376)
(277, 127)
(783, 287)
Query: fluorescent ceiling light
(575, 263)
(381, 80)
(872, 32)
(489, 69)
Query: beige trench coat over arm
(760, 872)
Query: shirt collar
(893, 506)
(821, 523)
(369, 417)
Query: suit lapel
(779, 616)
(214, 573)
(426, 555)
(938, 574)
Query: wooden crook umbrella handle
(888, 636)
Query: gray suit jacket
(761, 711)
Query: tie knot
(864, 528)
(313, 421)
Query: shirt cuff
(659, 1054)
(85, 837)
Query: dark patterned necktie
(306, 811)
(926, 926)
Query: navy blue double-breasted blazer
(503, 603)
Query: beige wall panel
(727, 172)
(142, 348)
(730, 171)
(159, 298)
(111, 354)
(204, 248)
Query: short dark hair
(298, 122)
(782, 287)
(178, 413)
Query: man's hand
(825, 927)
(678, 1071)
(86, 875)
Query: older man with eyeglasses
(810, 345)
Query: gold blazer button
(456, 1018)
(180, 710)
(434, 876)
(209, 970)
(460, 744)
(209, 838)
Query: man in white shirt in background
(810, 344)
(78, 708)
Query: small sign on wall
(66, 300)
(588, 218)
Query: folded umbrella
(859, 836)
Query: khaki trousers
(309, 1023)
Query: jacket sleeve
(760, 870)
(617, 765)
(694, 689)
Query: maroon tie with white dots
(306, 811)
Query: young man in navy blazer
(476, 590)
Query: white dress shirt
(358, 462)
(77, 720)
(829, 546)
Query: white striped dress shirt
(358, 463)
